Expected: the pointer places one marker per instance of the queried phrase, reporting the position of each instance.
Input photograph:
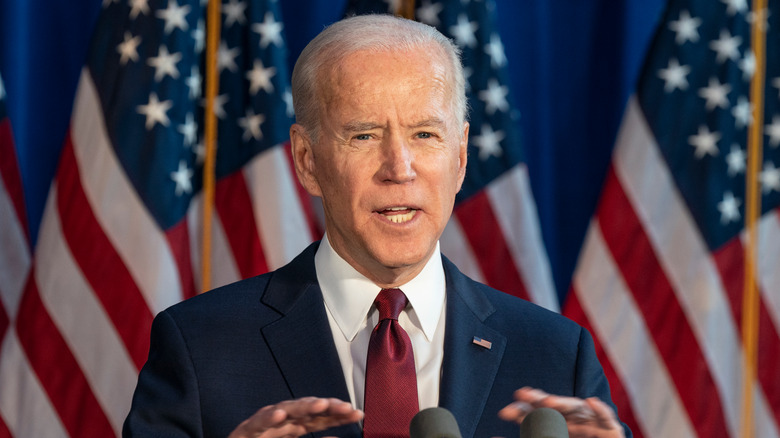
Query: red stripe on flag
(57, 369)
(234, 206)
(178, 238)
(731, 264)
(304, 197)
(573, 310)
(101, 265)
(4, 432)
(9, 171)
(484, 234)
(666, 320)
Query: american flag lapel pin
(482, 342)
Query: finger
(531, 396)
(605, 415)
(515, 412)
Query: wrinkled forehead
(399, 72)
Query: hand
(584, 418)
(294, 418)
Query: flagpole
(406, 9)
(750, 298)
(210, 136)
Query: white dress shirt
(349, 297)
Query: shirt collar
(349, 295)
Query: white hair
(374, 33)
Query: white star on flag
(270, 31)
(736, 160)
(251, 124)
(489, 142)
(686, 28)
(194, 82)
(183, 178)
(495, 49)
(748, 66)
(769, 178)
(128, 49)
(735, 6)
(428, 12)
(189, 130)
(175, 16)
(226, 58)
(674, 76)
(199, 35)
(727, 46)
(155, 111)
(138, 7)
(494, 97)
(464, 31)
(716, 94)
(773, 131)
(234, 12)
(743, 112)
(164, 64)
(729, 208)
(705, 142)
(260, 77)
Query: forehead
(418, 76)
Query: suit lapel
(468, 369)
(301, 339)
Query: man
(381, 137)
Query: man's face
(389, 159)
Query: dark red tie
(391, 380)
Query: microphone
(434, 423)
(544, 423)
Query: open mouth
(399, 215)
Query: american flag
(121, 234)
(660, 277)
(15, 262)
(494, 235)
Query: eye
(363, 137)
(424, 135)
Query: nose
(397, 161)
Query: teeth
(398, 208)
(401, 218)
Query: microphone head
(434, 423)
(544, 423)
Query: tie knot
(390, 303)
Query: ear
(303, 157)
(463, 154)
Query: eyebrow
(360, 126)
(357, 126)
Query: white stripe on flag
(280, 219)
(620, 328)
(456, 247)
(24, 405)
(513, 205)
(82, 321)
(14, 255)
(223, 264)
(685, 259)
(768, 272)
(116, 205)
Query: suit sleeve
(166, 400)
(590, 380)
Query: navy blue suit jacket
(217, 358)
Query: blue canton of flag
(147, 63)
(704, 73)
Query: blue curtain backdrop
(572, 64)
